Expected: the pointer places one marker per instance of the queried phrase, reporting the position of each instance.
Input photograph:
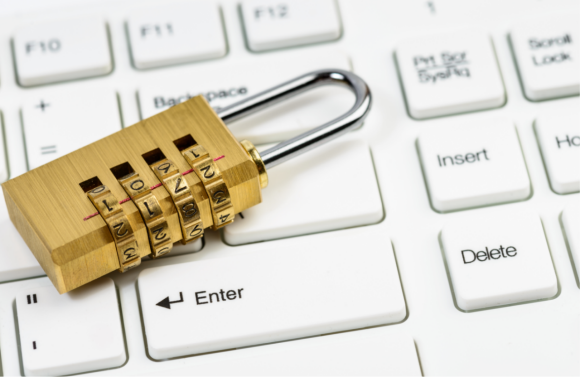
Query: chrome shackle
(315, 137)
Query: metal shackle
(315, 137)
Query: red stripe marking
(91, 215)
(151, 188)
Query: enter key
(271, 292)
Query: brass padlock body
(48, 206)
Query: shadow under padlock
(162, 180)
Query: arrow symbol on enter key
(165, 303)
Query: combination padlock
(163, 180)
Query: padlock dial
(140, 193)
(121, 230)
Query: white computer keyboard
(442, 238)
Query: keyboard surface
(441, 238)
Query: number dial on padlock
(208, 172)
(140, 193)
(74, 251)
(187, 209)
(109, 208)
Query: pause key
(33, 299)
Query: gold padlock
(163, 180)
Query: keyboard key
(271, 292)
(449, 74)
(559, 138)
(310, 194)
(174, 34)
(498, 258)
(3, 162)
(548, 56)
(571, 226)
(370, 352)
(272, 24)
(76, 332)
(473, 165)
(55, 125)
(223, 86)
(63, 50)
(17, 261)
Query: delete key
(498, 258)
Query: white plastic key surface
(223, 87)
(16, 259)
(271, 24)
(331, 187)
(62, 50)
(176, 33)
(444, 74)
(547, 52)
(75, 332)
(498, 258)
(370, 352)
(571, 225)
(559, 139)
(273, 291)
(57, 124)
(3, 154)
(472, 165)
